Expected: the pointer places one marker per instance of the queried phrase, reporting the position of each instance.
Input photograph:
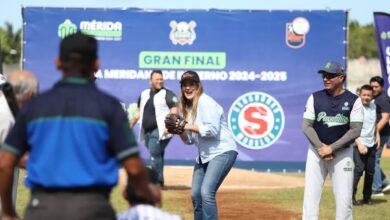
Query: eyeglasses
(330, 75)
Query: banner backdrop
(260, 66)
(382, 28)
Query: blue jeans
(206, 180)
(156, 149)
(380, 180)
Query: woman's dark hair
(378, 80)
(366, 87)
(131, 194)
(155, 72)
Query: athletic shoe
(356, 203)
(367, 201)
(377, 194)
(386, 189)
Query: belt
(104, 190)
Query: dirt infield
(180, 177)
(241, 194)
(237, 179)
(237, 204)
(235, 197)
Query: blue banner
(260, 66)
(382, 28)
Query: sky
(360, 10)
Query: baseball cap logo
(328, 65)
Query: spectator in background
(365, 147)
(2, 79)
(76, 137)
(152, 107)
(382, 102)
(25, 86)
(358, 91)
(139, 210)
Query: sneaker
(377, 194)
(356, 203)
(386, 188)
(367, 201)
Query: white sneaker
(386, 189)
(379, 194)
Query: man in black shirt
(153, 105)
(382, 102)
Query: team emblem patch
(182, 33)
(345, 107)
(348, 166)
(296, 32)
(256, 120)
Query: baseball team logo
(296, 32)
(256, 120)
(182, 33)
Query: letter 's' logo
(256, 120)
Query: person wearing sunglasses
(332, 120)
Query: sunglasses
(330, 75)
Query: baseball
(300, 25)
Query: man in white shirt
(152, 107)
(365, 148)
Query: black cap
(78, 45)
(332, 67)
(190, 76)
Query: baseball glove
(175, 123)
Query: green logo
(66, 28)
(383, 35)
(328, 65)
(332, 121)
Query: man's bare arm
(135, 118)
(8, 161)
(383, 121)
(138, 178)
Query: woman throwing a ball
(207, 128)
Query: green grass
(177, 201)
(291, 199)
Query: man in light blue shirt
(365, 149)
